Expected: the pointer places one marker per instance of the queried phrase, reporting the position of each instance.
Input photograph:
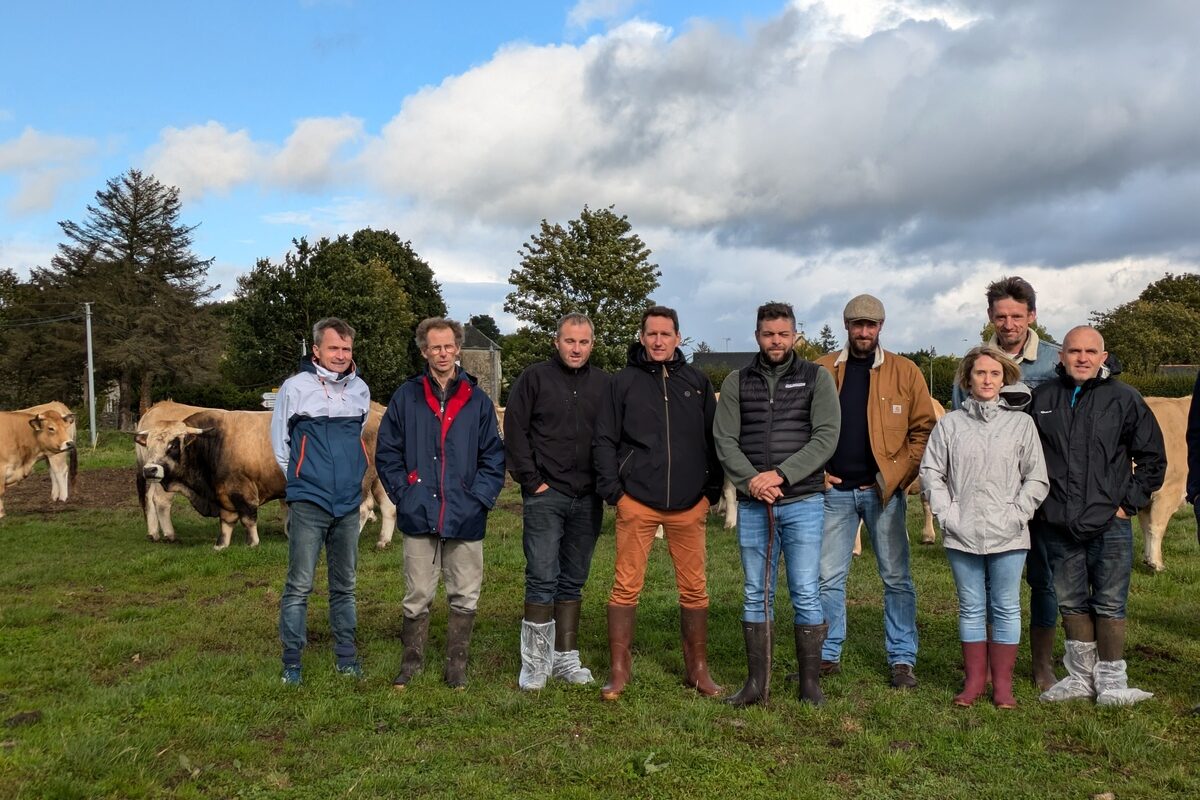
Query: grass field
(129, 669)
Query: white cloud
(22, 254)
(42, 164)
(308, 158)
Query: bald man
(1093, 429)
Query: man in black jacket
(548, 438)
(655, 462)
(1093, 429)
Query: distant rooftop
(474, 340)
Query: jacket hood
(1014, 397)
(637, 357)
(309, 364)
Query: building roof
(474, 340)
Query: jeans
(309, 527)
(1002, 597)
(560, 536)
(1043, 604)
(1092, 577)
(799, 527)
(888, 529)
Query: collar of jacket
(1028, 353)
(761, 365)
(844, 356)
(1014, 397)
(556, 357)
(1108, 370)
(637, 357)
(309, 364)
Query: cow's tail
(141, 487)
(72, 469)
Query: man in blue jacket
(316, 433)
(441, 461)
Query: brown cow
(223, 460)
(1171, 414)
(25, 438)
(62, 466)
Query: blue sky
(803, 151)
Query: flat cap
(863, 307)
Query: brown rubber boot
(809, 639)
(566, 625)
(458, 646)
(693, 625)
(758, 659)
(1110, 638)
(975, 659)
(1041, 656)
(413, 636)
(621, 621)
(1003, 658)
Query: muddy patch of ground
(107, 488)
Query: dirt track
(110, 488)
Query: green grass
(156, 674)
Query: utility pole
(87, 317)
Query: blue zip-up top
(316, 432)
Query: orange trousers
(637, 524)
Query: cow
(26, 438)
(374, 495)
(155, 497)
(1171, 414)
(222, 460)
(62, 466)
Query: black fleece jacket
(548, 426)
(654, 437)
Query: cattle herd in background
(222, 462)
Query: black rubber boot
(757, 689)
(809, 639)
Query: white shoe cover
(537, 654)
(1112, 685)
(1080, 661)
(568, 667)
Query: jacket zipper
(300, 462)
(442, 471)
(667, 414)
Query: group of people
(1033, 469)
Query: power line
(27, 323)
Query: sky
(804, 151)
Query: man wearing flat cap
(887, 415)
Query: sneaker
(291, 674)
(353, 669)
(903, 677)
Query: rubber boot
(809, 639)
(621, 621)
(693, 626)
(1041, 656)
(1003, 659)
(758, 659)
(1111, 678)
(537, 646)
(1079, 659)
(988, 672)
(567, 665)
(458, 646)
(975, 659)
(413, 636)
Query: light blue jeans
(798, 533)
(309, 528)
(990, 583)
(887, 527)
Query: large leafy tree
(270, 320)
(596, 265)
(1160, 326)
(486, 324)
(132, 258)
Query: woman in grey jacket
(984, 475)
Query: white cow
(1172, 414)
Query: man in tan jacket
(886, 419)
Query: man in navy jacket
(441, 461)
(316, 433)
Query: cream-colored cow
(1172, 414)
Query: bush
(1155, 385)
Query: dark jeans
(309, 528)
(560, 536)
(1092, 576)
(1043, 603)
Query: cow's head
(166, 446)
(52, 432)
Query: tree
(276, 305)
(703, 347)
(518, 350)
(132, 258)
(596, 265)
(1160, 326)
(827, 341)
(486, 325)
